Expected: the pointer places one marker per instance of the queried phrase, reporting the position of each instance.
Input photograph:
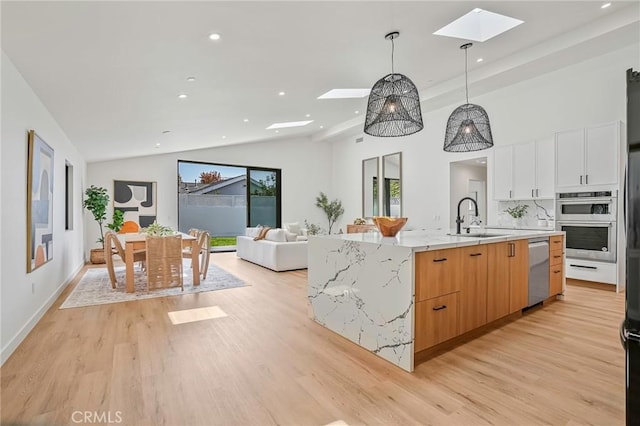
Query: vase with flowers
(517, 213)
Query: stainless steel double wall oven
(589, 220)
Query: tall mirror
(370, 187)
(392, 184)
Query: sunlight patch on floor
(196, 314)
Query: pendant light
(468, 127)
(393, 108)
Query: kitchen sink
(482, 235)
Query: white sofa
(273, 252)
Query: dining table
(133, 242)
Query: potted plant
(116, 221)
(332, 209)
(96, 202)
(517, 213)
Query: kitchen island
(400, 296)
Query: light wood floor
(268, 363)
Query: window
(68, 196)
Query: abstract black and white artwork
(137, 200)
(39, 203)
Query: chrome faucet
(459, 220)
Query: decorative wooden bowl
(389, 226)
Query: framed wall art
(39, 202)
(137, 200)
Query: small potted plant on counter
(517, 213)
(96, 202)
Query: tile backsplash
(537, 211)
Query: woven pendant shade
(468, 130)
(393, 108)
(468, 127)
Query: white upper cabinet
(545, 167)
(569, 158)
(602, 155)
(524, 171)
(588, 158)
(502, 173)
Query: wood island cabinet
(498, 281)
(438, 272)
(518, 258)
(473, 293)
(556, 264)
(440, 315)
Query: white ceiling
(110, 72)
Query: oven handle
(595, 224)
(585, 201)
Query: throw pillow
(252, 232)
(302, 238)
(262, 233)
(293, 227)
(291, 237)
(276, 235)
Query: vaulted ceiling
(111, 72)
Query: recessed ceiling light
(345, 93)
(277, 131)
(289, 124)
(182, 96)
(322, 127)
(479, 60)
(606, 5)
(307, 115)
(246, 120)
(478, 25)
(214, 36)
(281, 93)
(224, 137)
(157, 145)
(191, 79)
(357, 112)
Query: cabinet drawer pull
(533, 191)
(580, 179)
(439, 308)
(444, 259)
(557, 256)
(583, 266)
(475, 254)
(557, 272)
(586, 179)
(557, 241)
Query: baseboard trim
(24, 331)
(591, 284)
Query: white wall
(460, 175)
(25, 297)
(304, 164)
(583, 94)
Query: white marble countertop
(435, 239)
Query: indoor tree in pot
(96, 201)
(332, 209)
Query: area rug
(95, 288)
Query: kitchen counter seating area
(403, 297)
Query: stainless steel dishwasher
(538, 270)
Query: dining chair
(164, 262)
(113, 247)
(204, 242)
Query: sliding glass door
(224, 199)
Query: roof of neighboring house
(220, 184)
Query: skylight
(478, 25)
(289, 124)
(345, 93)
